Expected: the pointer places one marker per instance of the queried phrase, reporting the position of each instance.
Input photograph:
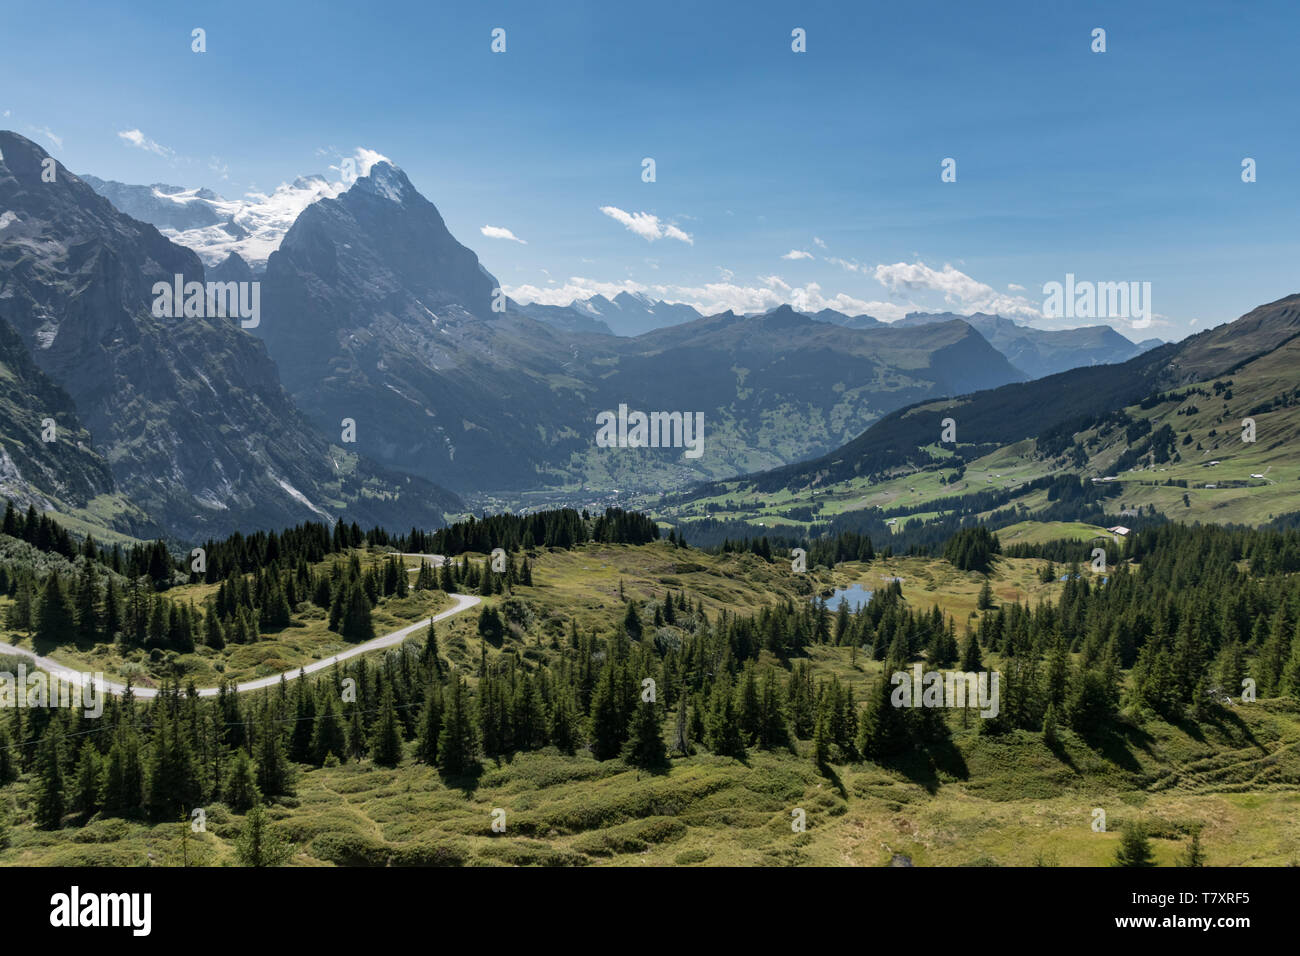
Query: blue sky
(1115, 166)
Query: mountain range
(189, 413)
(389, 375)
(1040, 352)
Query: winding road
(463, 603)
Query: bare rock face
(189, 412)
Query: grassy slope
(1005, 800)
(1196, 412)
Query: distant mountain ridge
(1047, 409)
(1041, 352)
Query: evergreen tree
(681, 733)
(328, 738)
(55, 622)
(273, 772)
(457, 751)
(608, 728)
(355, 624)
(85, 797)
(49, 803)
(882, 731)
(88, 605)
(21, 614)
(258, 843)
(239, 789)
(724, 734)
(1193, 855)
(821, 739)
(971, 660)
(632, 622)
(1049, 726)
(1134, 848)
(386, 739)
(645, 746)
(430, 724)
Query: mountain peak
(386, 181)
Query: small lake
(855, 596)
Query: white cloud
(133, 137)
(958, 289)
(1013, 287)
(367, 158)
(646, 225)
(501, 232)
(797, 254)
(849, 265)
(818, 243)
(46, 132)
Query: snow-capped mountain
(634, 313)
(213, 226)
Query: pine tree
(821, 739)
(86, 796)
(258, 843)
(1049, 726)
(1193, 855)
(49, 799)
(608, 728)
(328, 738)
(88, 605)
(21, 613)
(430, 724)
(632, 622)
(273, 772)
(300, 734)
(882, 731)
(386, 739)
(457, 752)
(55, 622)
(1134, 849)
(239, 789)
(681, 733)
(561, 726)
(645, 746)
(724, 733)
(355, 624)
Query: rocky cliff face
(189, 412)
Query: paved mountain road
(463, 603)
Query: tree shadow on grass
(926, 767)
(1057, 749)
(1117, 745)
(827, 771)
(467, 782)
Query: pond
(856, 596)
